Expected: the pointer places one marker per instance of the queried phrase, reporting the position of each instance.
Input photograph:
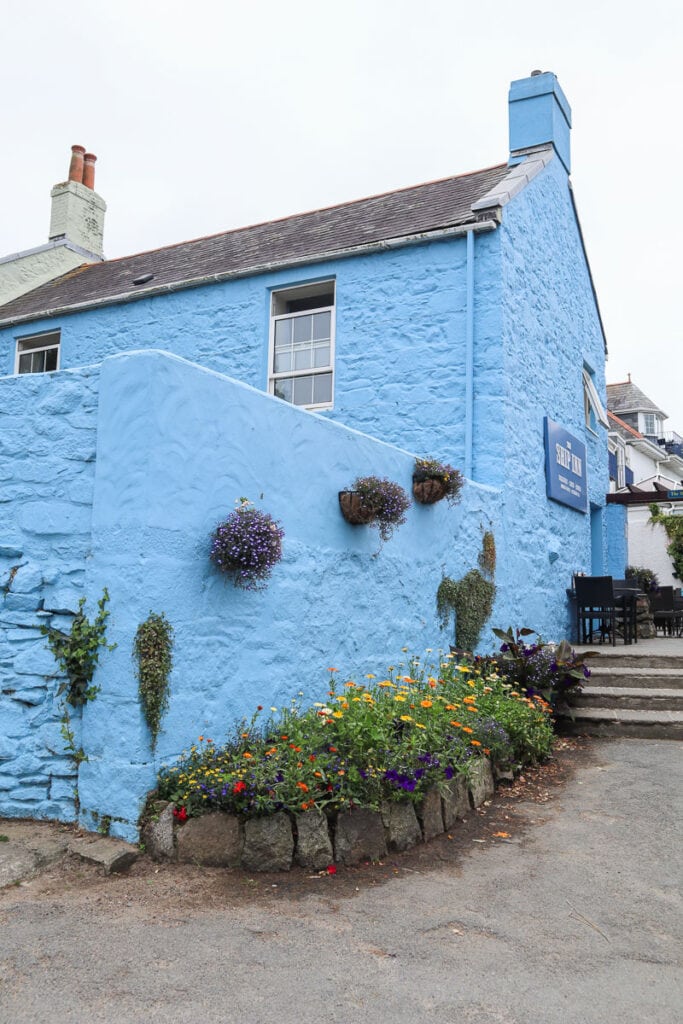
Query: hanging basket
(428, 492)
(353, 509)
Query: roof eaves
(453, 231)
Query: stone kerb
(310, 839)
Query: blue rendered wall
(616, 522)
(177, 445)
(550, 328)
(47, 469)
(400, 338)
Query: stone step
(647, 699)
(636, 677)
(608, 722)
(633, 659)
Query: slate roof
(623, 429)
(626, 397)
(309, 236)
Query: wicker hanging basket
(353, 509)
(428, 492)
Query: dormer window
(651, 424)
(38, 353)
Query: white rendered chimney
(77, 210)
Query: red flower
(332, 869)
(180, 813)
(239, 787)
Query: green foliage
(645, 578)
(536, 667)
(391, 739)
(152, 648)
(470, 598)
(674, 531)
(77, 652)
(487, 555)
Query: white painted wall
(28, 270)
(647, 544)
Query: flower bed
(420, 730)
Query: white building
(646, 465)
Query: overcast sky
(214, 115)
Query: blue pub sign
(565, 467)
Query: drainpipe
(469, 356)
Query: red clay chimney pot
(89, 170)
(76, 165)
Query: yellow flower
(385, 683)
(369, 675)
(464, 668)
(399, 696)
(418, 725)
(337, 714)
(406, 718)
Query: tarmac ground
(558, 903)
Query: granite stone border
(312, 839)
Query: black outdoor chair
(596, 609)
(666, 611)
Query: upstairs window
(593, 409)
(651, 424)
(302, 345)
(38, 354)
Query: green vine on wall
(470, 598)
(153, 648)
(77, 652)
(674, 531)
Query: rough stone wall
(47, 470)
(616, 528)
(550, 329)
(399, 350)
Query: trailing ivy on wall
(152, 648)
(77, 652)
(674, 531)
(470, 598)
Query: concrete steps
(631, 694)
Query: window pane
(322, 388)
(283, 361)
(302, 358)
(283, 332)
(302, 328)
(302, 393)
(321, 355)
(38, 362)
(321, 325)
(51, 359)
(283, 389)
(25, 363)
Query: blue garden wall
(48, 426)
(176, 445)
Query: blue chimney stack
(539, 115)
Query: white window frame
(592, 401)
(303, 290)
(53, 340)
(656, 422)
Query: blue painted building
(451, 319)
